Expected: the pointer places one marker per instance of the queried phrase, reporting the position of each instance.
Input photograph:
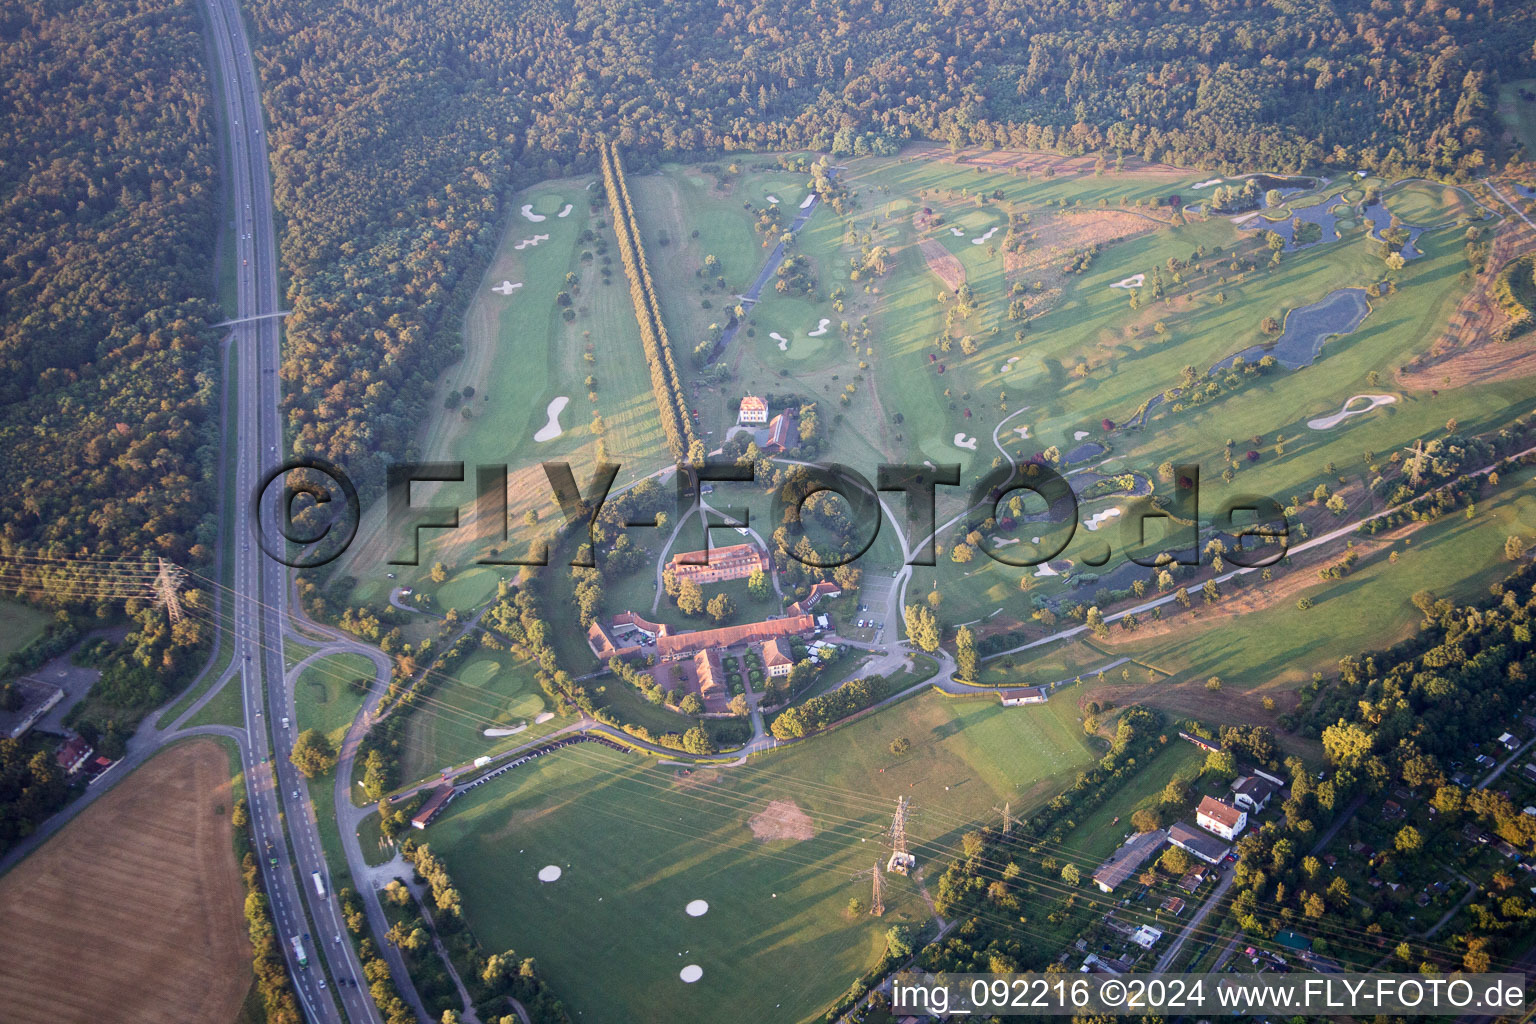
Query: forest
(108, 189)
(399, 129)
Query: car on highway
(321, 983)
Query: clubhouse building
(715, 565)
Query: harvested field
(782, 819)
(133, 912)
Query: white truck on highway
(298, 951)
(319, 884)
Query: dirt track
(133, 912)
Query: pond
(1299, 344)
(1306, 328)
(1087, 450)
(1320, 214)
(1381, 219)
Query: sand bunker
(1078, 435)
(552, 429)
(773, 199)
(1098, 519)
(1134, 281)
(1022, 432)
(549, 873)
(1345, 412)
(527, 242)
(957, 232)
(968, 443)
(782, 819)
(696, 908)
(509, 731)
(1046, 570)
(530, 215)
(691, 974)
(566, 212)
(542, 717)
(783, 341)
(821, 328)
(1207, 183)
(808, 201)
(986, 237)
(507, 287)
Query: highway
(276, 792)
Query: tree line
(666, 385)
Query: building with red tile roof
(779, 433)
(733, 562)
(778, 657)
(711, 675)
(752, 410)
(685, 645)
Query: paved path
(1493, 776)
(1472, 890)
(1517, 211)
(769, 269)
(1222, 885)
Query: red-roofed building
(732, 562)
(753, 410)
(1220, 817)
(818, 591)
(779, 433)
(433, 807)
(712, 689)
(73, 754)
(685, 645)
(778, 658)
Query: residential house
(1252, 793)
(753, 411)
(73, 754)
(778, 657)
(1223, 819)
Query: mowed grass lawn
(635, 843)
(520, 355)
(19, 625)
(634, 848)
(1370, 609)
(488, 689)
(324, 697)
